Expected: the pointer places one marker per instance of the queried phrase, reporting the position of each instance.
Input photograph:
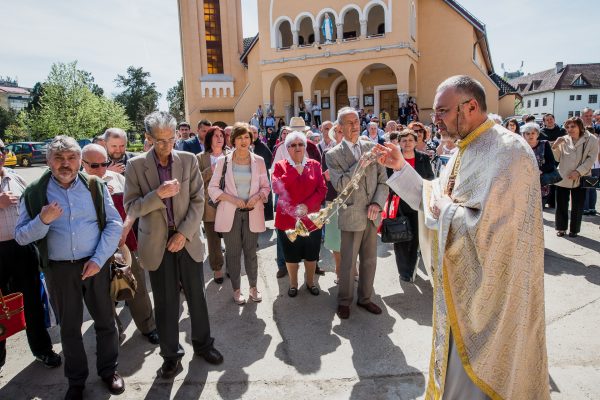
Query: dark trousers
(19, 273)
(591, 194)
(67, 291)
(551, 199)
(317, 119)
(174, 270)
(577, 197)
(280, 257)
(406, 252)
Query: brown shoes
(370, 307)
(343, 312)
(114, 383)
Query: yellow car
(10, 160)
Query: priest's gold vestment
(486, 261)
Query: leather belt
(80, 261)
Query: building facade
(13, 97)
(563, 91)
(370, 54)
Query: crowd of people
(217, 185)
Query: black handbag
(221, 185)
(395, 230)
(587, 181)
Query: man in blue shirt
(71, 217)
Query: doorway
(388, 99)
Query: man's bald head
(94, 155)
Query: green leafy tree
(139, 96)
(7, 118)
(36, 94)
(17, 130)
(176, 101)
(67, 106)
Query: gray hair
(253, 128)
(345, 111)
(159, 120)
(530, 127)
(62, 144)
(372, 124)
(586, 109)
(466, 85)
(115, 133)
(93, 147)
(293, 136)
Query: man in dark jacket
(262, 150)
(115, 141)
(551, 131)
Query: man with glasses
(95, 162)
(19, 268)
(486, 251)
(73, 221)
(164, 190)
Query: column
(353, 101)
(295, 37)
(363, 28)
(340, 32)
(289, 112)
(317, 31)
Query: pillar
(340, 31)
(289, 112)
(295, 37)
(402, 98)
(317, 32)
(353, 101)
(363, 28)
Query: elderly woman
(300, 186)
(542, 151)
(240, 216)
(406, 252)
(214, 147)
(513, 126)
(576, 153)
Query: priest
(486, 256)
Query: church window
(376, 19)
(212, 28)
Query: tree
(36, 94)
(7, 118)
(68, 106)
(139, 97)
(177, 101)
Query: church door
(388, 99)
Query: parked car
(29, 153)
(10, 160)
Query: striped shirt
(10, 182)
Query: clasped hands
(249, 205)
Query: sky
(107, 36)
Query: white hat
(297, 124)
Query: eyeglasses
(97, 165)
(419, 130)
(440, 114)
(294, 145)
(164, 142)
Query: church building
(370, 54)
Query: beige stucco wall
(446, 49)
(506, 105)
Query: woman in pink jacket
(240, 216)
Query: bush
(135, 147)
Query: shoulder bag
(552, 177)
(12, 315)
(123, 285)
(587, 181)
(221, 185)
(395, 230)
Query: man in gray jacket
(359, 221)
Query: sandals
(255, 295)
(292, 292)
(314, 290)
(239, 298)
(560, 233)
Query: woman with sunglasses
(423, 144)
(214, 147)
(240, 213)
(299, 183)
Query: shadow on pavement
(556, 264)
(415, 303)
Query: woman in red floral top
(301, 187)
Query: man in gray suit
(359, 221)
(163, 188)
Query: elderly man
(359, 221)
(76, 227)
(183, 129)
(115, 141)
(19, 268)
(487, 254)
(95, 162)
(326, 143)
(164, 190)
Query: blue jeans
(591, 195)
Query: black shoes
(313, 290)
(281, 273)
(152, 336)
(169, 369)
(74, 393)
(319, 271)
(292, 292)
(49, 359)
(114, 383)
(572, 234)
(212, 356)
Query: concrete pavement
(297, 348)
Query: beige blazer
(578, 157)
(141, 201)
(259, 183)
(372, 187)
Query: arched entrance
(330, 88)
(379, 90)
(285, 96)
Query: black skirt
(304, 248)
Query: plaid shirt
(10, 182)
